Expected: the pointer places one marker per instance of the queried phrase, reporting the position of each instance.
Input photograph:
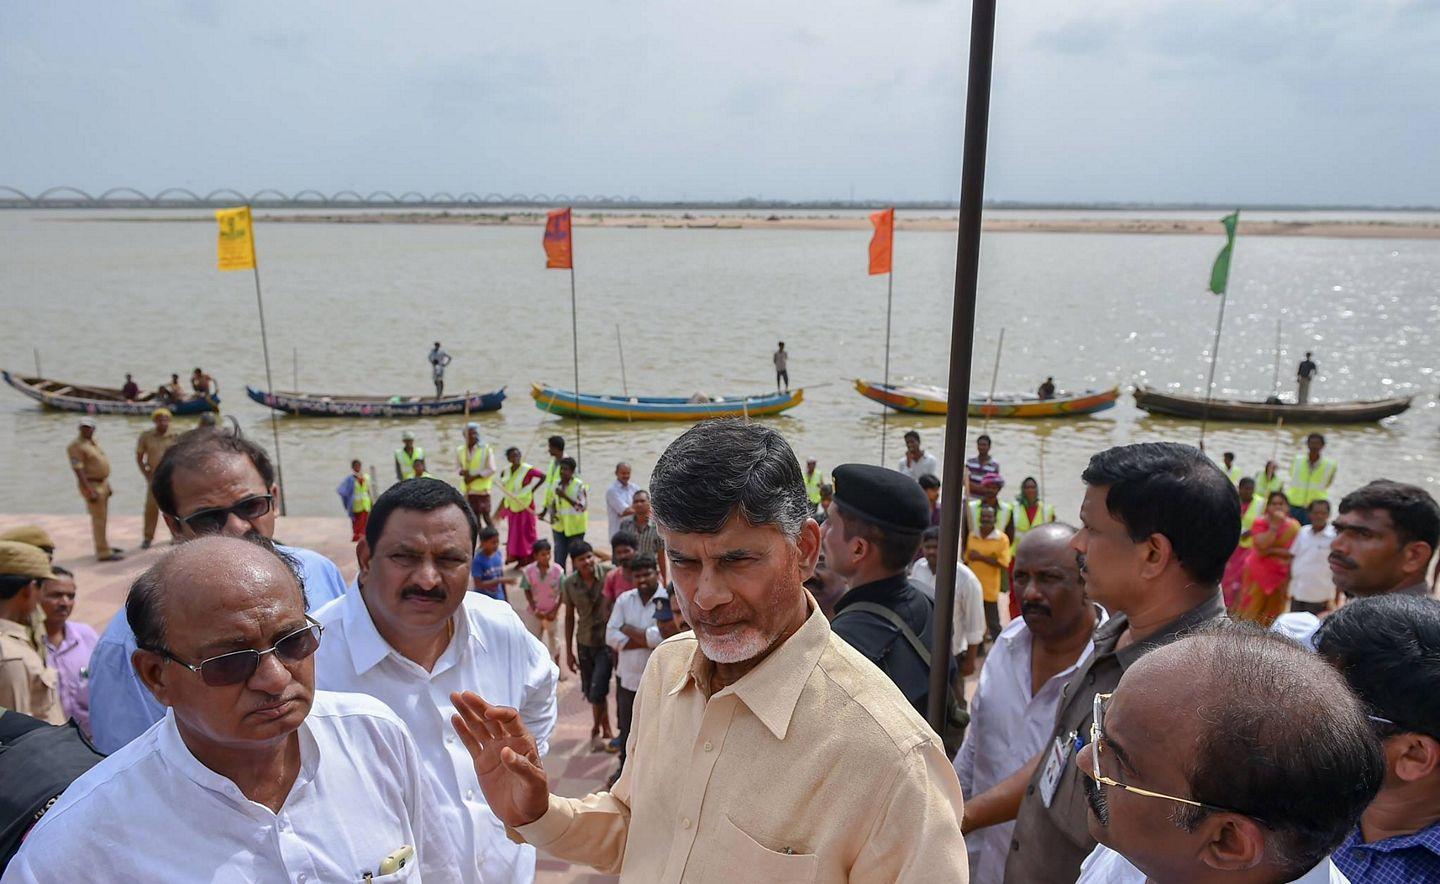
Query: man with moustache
(209, 482)
(764, 747)
(413, 634)
(252, 775)
(1013, 709)
(1158, 523)
(1259, 780)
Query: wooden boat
(336, 405)
(1176, 405)
(661, 408)
(101, 400)
(923, 399)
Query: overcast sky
(1293, 101)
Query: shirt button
(283, 825)
(685, 823)
(1014, 845)
(709, 745)
(1090, 678)
(469, 794)
(1030, 791)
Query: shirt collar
(1108, 634)
(1427, 838)
(1420, 589)
(14, 630)
(771, 690)
(368, 647)
(171, 747)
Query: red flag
(557, 240)
(882, 243)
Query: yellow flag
(237, 240)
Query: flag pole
(269, 380)
(885, 409)
(1210, 385)
(575, 356)
(1220, 285)
(962, 345)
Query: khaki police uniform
(27, 683)
(87, 457)
(150, 447)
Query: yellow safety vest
(812, 486)
(407, 461)
(1004, 513)
(1264, 486)
(1248, 514)
(1310, 483)
(1234, 474)
(569, 520)
(547, 488)
(474, 464)
(514, 482)
(360, 499)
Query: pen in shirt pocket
(393, 863)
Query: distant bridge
(67, 197)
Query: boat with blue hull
(661, 408)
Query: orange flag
(557, 240)
(882, 243)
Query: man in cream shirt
(252, 775)
(414, 633)
(765, 748)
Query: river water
(354, 308)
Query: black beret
(887, 499)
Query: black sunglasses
(212, 520)
(236, 667)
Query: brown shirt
(588, 600)
(86, 456)
(26, 684)
(1049, 843)
(153, 446)
(812, 767)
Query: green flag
(1220, 273)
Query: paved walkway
(102, 586)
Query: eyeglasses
(212, 520)
(236, 667)
(1099, 776)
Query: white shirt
(631, 610)
(1310, 577)
(1105, 866)
(618, 498)
(491, 653)
(926, 464)
(152, 812)
(969, 611)
(121, 707)
(1008, 727)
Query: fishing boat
(101, 400)
(338, 405)
(924, 399)
(661, 408)
(1357, 412)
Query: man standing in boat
(438, 360)
(1303, 376)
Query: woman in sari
(517, 483)
(1250, 506)
(1265, 588)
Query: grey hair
(721, 468)
(144, 606)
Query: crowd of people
(1199, 679)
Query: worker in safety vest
(1268, 480)
(990, 496)
(813, 480)
(518, 482)
(1029, 510)
(545, 494)
(477, 472)
(357, 497)
(1232, 472)
(572, 496)
(405, 457)
(1311, 475)
(1251, 506)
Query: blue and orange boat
(660, 408)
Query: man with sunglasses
(252, 774)
(210, 482)
(1388, 650)
(1158, 522)
(414, 633)
(1258, 781)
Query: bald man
(1013, 709)
(251, 774)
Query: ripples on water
(701, 310)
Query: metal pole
(38, 372)
(962, 344)
(1210, 385)
(994, 378)
(295, 368)
(270, 383)
(889, 303)
(624, 382)
(575, 355)
(1275, 381)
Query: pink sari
(523, 528)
